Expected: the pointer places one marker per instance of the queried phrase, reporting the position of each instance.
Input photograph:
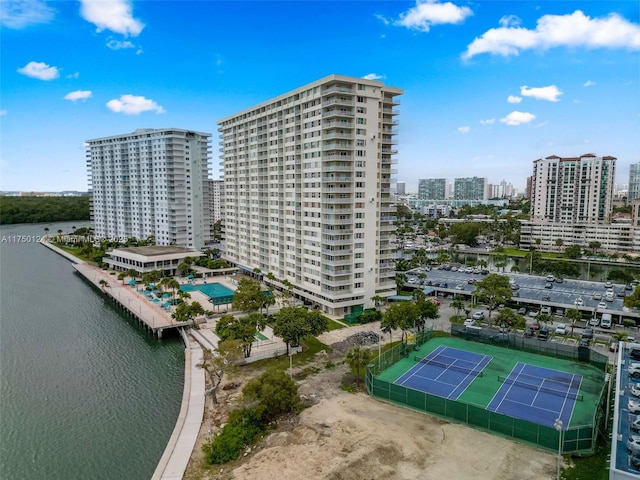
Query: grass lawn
(310, 346)
(514, 252)
(76, 253)
(333, 325)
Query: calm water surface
(85, 393)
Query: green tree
(507, 317)
(248, 296)
(217, 363)
(187, 312)
(121, 276)
(573, 251)
(493, 290)
(358, 358)
(426, 309)
(622, 276)
(274, 393)
(401, 315)
(465, 233)
(268, 300)
(457, 304)
(286, 294)
(401, 279)
(242, 329)
(292, 324)
(544, 318)
(573, 315)
(633, 300)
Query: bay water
(85, 391)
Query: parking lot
(531, 291)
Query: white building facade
(573, 190)
(307, 180)
(151, 183)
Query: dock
(126, 297)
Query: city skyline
(489, 86)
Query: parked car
(550, 278)
(500, 337)
(608, 285)
(528, 332)
(584, 343)
(546, 310)
(559, 280)
(548, 285)
(533, 313)
(546, 298)
(635, 390)
(597, 296)
(535, 326)
(471, 281)
(633, 442)
(634, 370)
(587, 333)
(635, 425)
(522, 311)
(561, 329)
(543, 334)
(594, 321)
(634, 460)
(469, 322)
(628, 286)
(613, 347)
(578, 302)
(459, 287)
(634, 353)
(478, 316)
(602, 306)
(634, 405)
(514, 286)
(435, 302)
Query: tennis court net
(540, 388)
(449, 366)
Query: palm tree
(357, 358)
(573, 314)
(103, 283)
(457, 304)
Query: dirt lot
(350, 436)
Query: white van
(605, 322)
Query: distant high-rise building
(573, 190)
(472, 188)
(307, 179)
(634, 182)
(216, 199)
(151, 183)
(432, 189)
(400, 188)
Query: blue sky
(489, 86)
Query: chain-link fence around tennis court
(517, 341)
(576, 439)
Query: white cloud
(510, 21)
(573, 30)
(431, 12)
(73, 75)
(589, 83)
(119, 45)
(133, 105)
(384, 20)
(3, 113)
(464, 129)
(514, 99)
(489, 121)
(373, 76)
(78, 95)
(39, 70)
(23, 13)
(114, 15)
(517, 118)
(550, 93)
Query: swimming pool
(211, 290)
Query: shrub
(244, 425)
(628, 322)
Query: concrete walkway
(175, 458)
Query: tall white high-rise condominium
(151, 183)
(573, 190)
(307, 181)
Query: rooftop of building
(158, 250)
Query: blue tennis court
(539, 395)
(445, 372)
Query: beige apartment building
(307, 188)
(573, 190)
